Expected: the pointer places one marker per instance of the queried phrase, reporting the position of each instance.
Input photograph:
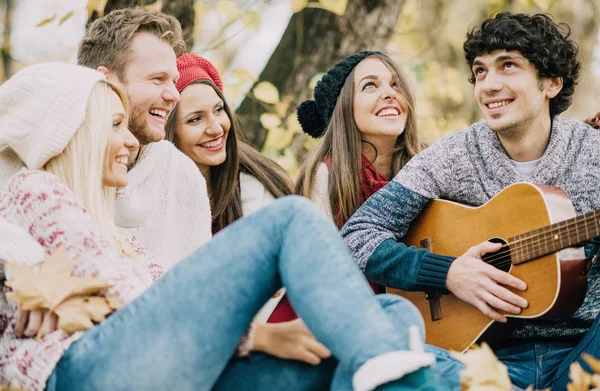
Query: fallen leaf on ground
(483, 371)
(580, 379)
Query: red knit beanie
(192, 67)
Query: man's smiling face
(150, 77)
(509, 92)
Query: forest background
(272, 52)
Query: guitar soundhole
(501, 258)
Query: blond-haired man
(166, 203)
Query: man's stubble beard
(517, 128)
(139, 127)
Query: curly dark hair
(541, 41)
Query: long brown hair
(226, 199)
(342, 144)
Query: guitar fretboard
(555, 237)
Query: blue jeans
(182, 331)
(275, 374)
(540, 364)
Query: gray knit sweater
(471, 167)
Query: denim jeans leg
(521, 362)
(404, 315)
(590, 344)
(263, 372)
(182, 331)
(449, 368)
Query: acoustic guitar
(539, 231)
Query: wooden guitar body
(556, 283)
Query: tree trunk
(182, 10)
(6, 68)
(314, 41)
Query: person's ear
(554, 87)
(110, 76)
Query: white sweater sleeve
(320, 191)
(17, 246)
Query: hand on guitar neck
(480, 284)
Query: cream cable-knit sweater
(38, 203)
(166, 205)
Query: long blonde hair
(81, 165)
(342, 143)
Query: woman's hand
(289, 340)
(29, 323)
(593, 121)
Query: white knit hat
(41, 108)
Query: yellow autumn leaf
(278, 139)
(338, 7)
(483, 371)
(265, 91)
(53, 286)
(270, 121)
(233, 91)
(14, 386)
(154, 7)
(251, 20)
(242, 74)
(114, 302)
(311, 143)
(299, 5)
(66, 17)
(80, 313)
(97, 6)
(593, 363)
(46, 21)
(580, 379)
(288, 162)
(228, 8)
(292, 124)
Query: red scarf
(372, 181)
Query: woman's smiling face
(380, 109)
(120, 144)
(202, 125)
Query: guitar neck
(555, 237)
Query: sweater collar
(498, 165)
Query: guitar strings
(503, 257)
(535, 245)
(553, 231)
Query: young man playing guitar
(524, 71)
